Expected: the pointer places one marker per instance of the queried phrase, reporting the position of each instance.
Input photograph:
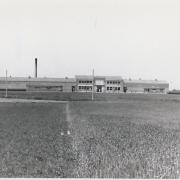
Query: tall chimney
(35, 67)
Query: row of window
(113, 88)
(154, 90)
(113, 82)
(108, 82)
(108, 88)
(59, 88)
(85, 82)
(86, 88)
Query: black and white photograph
(90, 89)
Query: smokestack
(35, 67)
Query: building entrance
(99, 89)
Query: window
(108, 88)
(119, 88)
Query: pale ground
(29, 100)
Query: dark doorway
(125, 89)
(99, 88)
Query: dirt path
(69, 156)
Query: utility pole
(6, 84)
(93, 85)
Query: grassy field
(31, 144)
(127, 139)
(133, 137)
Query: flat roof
(146, 81)
(90, 77)
(39, 79)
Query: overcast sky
(131, 38)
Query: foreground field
(127, 138)
(31, 144)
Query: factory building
(14, 84)
(83, 83)
(51, 84)
(101, 84)
(146, 86)
(37, 84)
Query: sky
(129, 38)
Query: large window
(113, 89)
(113, 82)
(85, 82)
(85, 88)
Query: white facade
(100, 84)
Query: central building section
(100, 84)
